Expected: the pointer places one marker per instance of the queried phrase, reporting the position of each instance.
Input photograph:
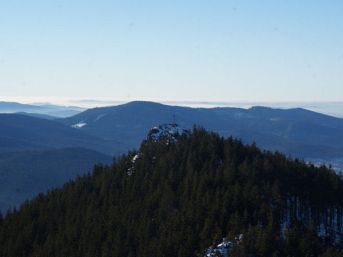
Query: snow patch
(131, 169)
(224, 248)
(166, 131)
(79, 125)
(99, 117)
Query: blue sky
(203, 50)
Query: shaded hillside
(34, 158)
(177, 197)
(24, 175)
(22, 132)
(38, 115)
(297, 132)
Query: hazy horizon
(334, 108)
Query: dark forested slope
(177, 198)
(25, 174)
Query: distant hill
(22, 132)
(24, 175)
(38, 154)
(43, 109)
(38, 115)
(297, 132)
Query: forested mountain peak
(181, 199)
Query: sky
(177, 50)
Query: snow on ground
(224, 248)
(99, 117)
(131, 169)
(166, 131)
(79, 125)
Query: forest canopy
(179, 198)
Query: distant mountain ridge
(22, 132)
(56, 111)
(297, 132)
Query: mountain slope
(24, 175)
(180, 198)
(297, 132)
(23, 132)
